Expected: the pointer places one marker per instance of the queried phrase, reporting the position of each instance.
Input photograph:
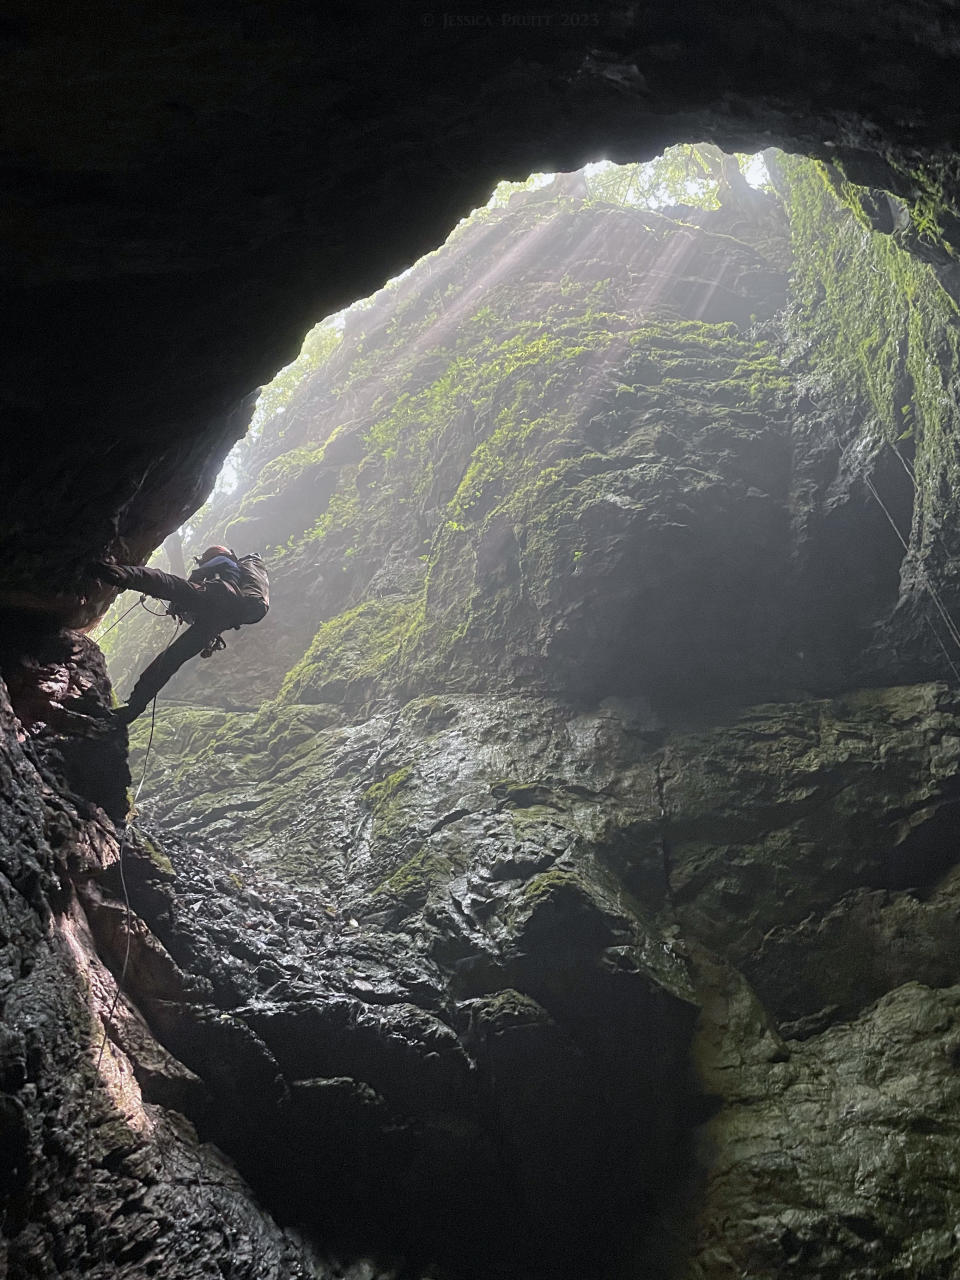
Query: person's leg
(161, 669)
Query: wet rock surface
(506, 971)
(836, 1156)
(96, 1180)
(416, 1106)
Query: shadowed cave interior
(562, 878)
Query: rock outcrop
(101, 1173)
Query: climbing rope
(952, 628)
(904, 463)
(953, 631)
(123, 884)
(142, 602)
(123, 879)
(923, 575)
(128, 913)
(199, 1177)
(98, 638)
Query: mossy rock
(429, 869)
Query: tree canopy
(694, 173)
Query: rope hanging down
(142, 602)
(126, 901)
(198, 1177)
(951, 626)
(126, 950)
(922, 573)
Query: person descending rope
(224, 591)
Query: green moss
(472, 450)
(386, 801)
(544, 890)
(524, 795)
(545, 885)
(881, 333)
(156, 855)
(507, 1007)
(349, 653)
(431, 714)
(382, 792)
(536, 474)
(427, 869)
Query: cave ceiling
(188, 188)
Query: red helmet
(214, 551)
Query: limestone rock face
(600, 881)
(102, 1175)
(505, 930)
(562, 879)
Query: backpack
(254, 588)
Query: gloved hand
(115, 574)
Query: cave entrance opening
(685, 178)
(305, 399)
(614, 320)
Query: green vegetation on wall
(554, 457)
(423, 492)
(879, 333)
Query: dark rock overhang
(190, 188)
